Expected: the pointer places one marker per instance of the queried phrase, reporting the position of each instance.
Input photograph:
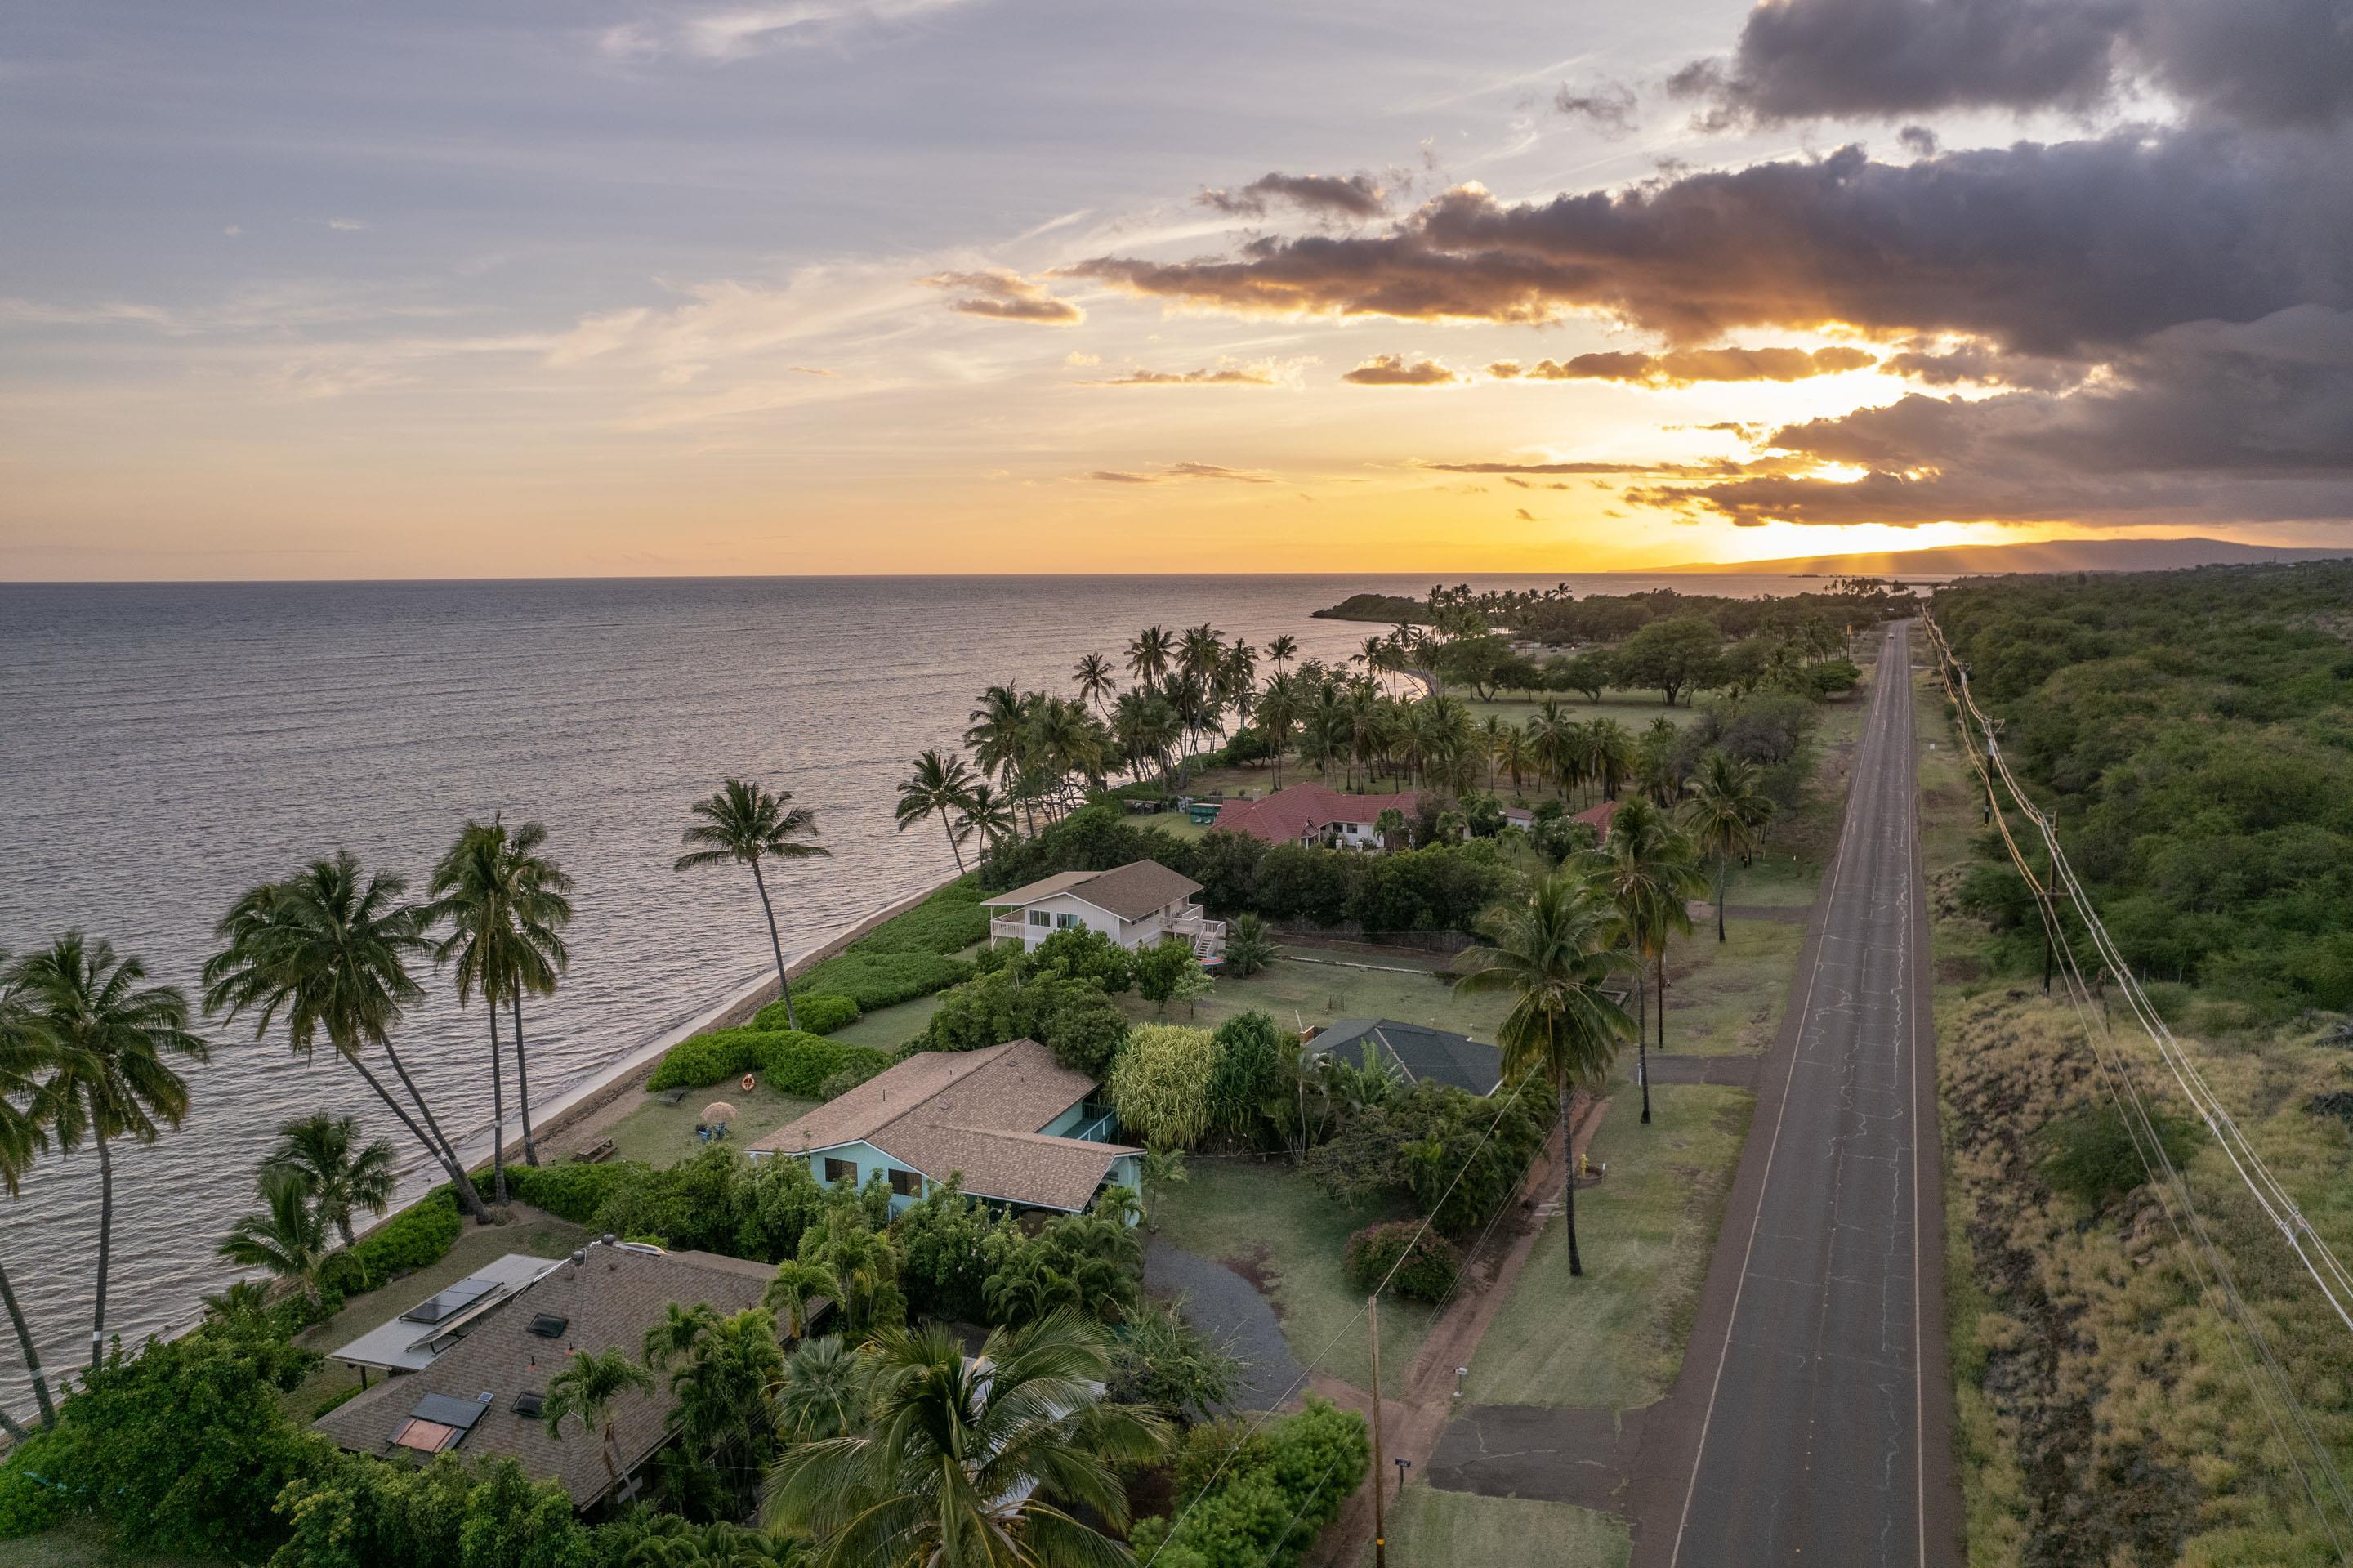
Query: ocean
(162, 747)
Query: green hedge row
(1257, 1495)
(792, 1062)
(571, 1191)
(415, 1238)
(818, 1013)
(876, 979)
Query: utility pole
(1380, 1537)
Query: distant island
(2047, 555)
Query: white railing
(1015, 927)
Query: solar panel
(460, 1414)
(450, 1302)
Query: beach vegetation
(820, 1013)
(791, 1061)
(337, 1173)
(745, 822)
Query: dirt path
(1415, 1419)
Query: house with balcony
(1135, 905)
(1317, 816)
(1015, 1126)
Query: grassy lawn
(889, 1028)
(1271, 1222)
(1615, 1337)
(1724, 998)
(1297, 993)
(664, 1134)
(541, 1236)
(83, 1543)
(1427, 1525)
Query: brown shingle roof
(973, 1112)
(611, 1298)
(1131, 891)
(1289, 813)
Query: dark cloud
(1982, 365)
(1203, 378)
(2050, 249)
(1395, 370)
(1353, 196)
(1919, 139)
(1608, 107)
(1176, 470)
(1005, 297)
(1677, 470)
(1686, 366)
(2259, 62)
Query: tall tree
(1095, 680)
(999, 1458)
(1150, 655)
(26, 1052)
(113, 1040)
(940, 785)
(1726, 809)
(337, 1172)
(1648, 871)
(1281, 650)
(1280, 708)
(985, 815)
(586, 1390)
(745, 822)
(328, 949)
(1552, 952)
(505, 907)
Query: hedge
(877, 978)
(820, 1012)
(1429, 1269)
(571, 1191)
(794, 1062)
(1275, 1488)
(947, 922)
(416, 1237)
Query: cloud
(2052, 248)
(1351, 195)
(1608, 108)
(1079, 359)
(1524, 514)
(1005, 297)
(1684, 368)
(724, 33)
(1682, 470)
(1919, 139)
(1226, 376)
(2262, 62)
(1979, 364)
(1181, 471)
(346, 225)
(1394, 370)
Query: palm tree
(1281, 650)
(26, 1052)
(110, 1039)
(288, 1238)
(720, 1378)
(506, 907)
(826, 1391)
(745, 822)
(1388, 825)
(1096, 681)
(793, 1290)
(1163, 1169)
(324, 1153)
(1150, 654)
(1512, 753)
(1280, 706)
(990, 1459)
(985, 815)
(328, 948)
(1725, 810)
(939, 784)
(1553, 953)
(585, 1390)
(1649, 873)
(1612, 752)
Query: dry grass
(1430, 1526)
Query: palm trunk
(105, 1247)
(1723, 877)
(32, 1351)
(1568, 1184)
(1641, 1038)
(8, 1425)
(399, 1110)
(783, 986)
(523, 1086)
(949, 828)
(498, 1112)
(430, 1133)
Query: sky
(607, 287)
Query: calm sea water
(163, 748)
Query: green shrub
(1278, 1486)
(877, 978)
(794, 1062)
(1161, 1084)
(820, 1013)
(860, 1068)
(2090, 1153)
(416, 1237)
(571, 1191)
(32, 1498)
(1086, 953)
(1250, 1048)
(707, 1058)
(947, 922)
(1086, 1030)
(1426, 1263)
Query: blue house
(1014, 1124)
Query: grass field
(1724, 998)
(1297, 993)
(1286, 1237)
(1430, 1526)
(82, 1543)
(664, 1134)
(1614, 1339)
(887, 1029)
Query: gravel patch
(1223, 1304)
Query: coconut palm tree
(111, 1040)
(505, 905)
(289, 1237)
(720, 1378)
(1150, 655)
(1163, 1169)
(1611, 750)
(324, 1154)
(1281, 652)
(586, 1392)
(1723, 815)
(997, 1458)
(942, 785)
(985, 815)
(1095, 680)
(790, 1294)
(1648, 871)
(745, 822)
(328, 948)
(1512, 753)
(26, 1053)
(1280, 706)
(1553, 953)
(826, 1391)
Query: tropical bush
(1426, 1263)
(1413, 1146)
(417, 1237)
(947, 1241)
(1248, 1072)
(571, 1191)
(792, 1062)
(1278, 1488)
(1090, 1263)
(947, 922)
(877, 978)
(1164, 1364)
(1084, 953)
(820, 1013)
(1160, 1085)
(1163, 969)
(1249, 947)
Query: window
(1064, 922)
(907, 1184)
(426, 1437)
(840, 1169)
(1039, 918)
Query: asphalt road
(1812, 1416)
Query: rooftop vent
(548, 1326)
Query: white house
(1135, 905)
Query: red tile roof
(1289, 814)
(1598, 816)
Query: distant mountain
(2050, 556)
